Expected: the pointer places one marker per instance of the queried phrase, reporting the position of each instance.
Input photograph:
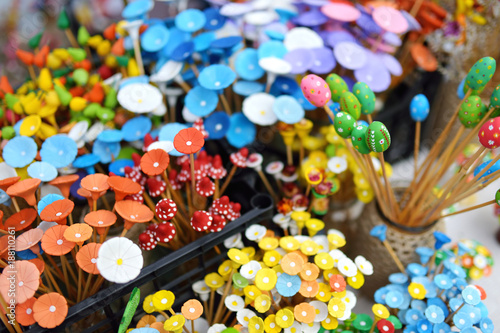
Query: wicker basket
(404, 240)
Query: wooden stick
(417, 147)
(16, 205)
(394, 256)
(453, 313)
(267, 185)
(138, 56)
(216, 193)
(226, 290)
(329, 112)
(212, 297)
(193, 180)
(289, 155)
(276, 306)
(390, 191)
(225, 103)
(87, 286)
(97, 285)
(71, 38)
(470, 208)
(228, 179)
(207, 312)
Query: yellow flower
(327, 274)
(250, 252)
(314, 225)
(272, 258)
(340, 294)
(335, 241)
(417, 290)
(289, 243)
(270, 325)
(262, 303)
(475, 273)
(252, 292)
(266, 279)
(174, 323)
(380, 311)
(148, 305)
(268, 243)
(324, 261)
(163, 300)
(237, 256)
(330, 323)
(284, 318)
(324, 294)
(336, 307)
(309, 247)
(278, 269)
(256, 325)
(225, 269)
(356, 281)
(300, 217)
(214, 281)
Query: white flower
(321, 310)
(480, 261)
(243, 316)
(349, 299)
(364, 265)
(295, 328)
(249, 270)
(336, 255)
(347, 267)
(337, 164)
(336, 232)
(234, 303)
(119, 260)
(201, 289)
(340, 130)
(255, 232)
(234, 241)
(216, 328)
(322, 241)
(347, 314)
(310, 328)
(302, 238)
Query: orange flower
(192, 309)
(78, 233)
(292, 263)
(337, 283)
(304, 313)
(189, 141)
(50, 310)
(154, 162)
(309, 288)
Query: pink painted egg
(489, 133)
(316, 90)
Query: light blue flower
(434, 314)
(415, 269)
(439, 303)
(379, 231)
(425, 254)
(424, 326)
(394, 299)
(441, 328)
(413, 316)
(398, 278)
(443, 281)
(473, 312)
(471, 295)
(410, 329)
(462, 320)
(486, 325)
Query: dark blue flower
(441, 239)
(411, 329)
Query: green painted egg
(481, 73)
(358, 138)
(350, 104)
(471, 111)
(365, 96)
(337, 86)
(497, 197)
(495, 98)
(344, 123)
(378, 138)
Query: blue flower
(379, 231)
(241, 131)
(473, 312)
(471, 295)
(59, 150)
(486, 325)
(87, 162)
(20, 151)
(424, 326)
(43, 171)
(461, 284)
(118, 167)
(47, 200)
(288, 285)
(443, 281)
(413, 316)
(190, 20)
(439, 303)
(110, 136)
(136, 128)
(463, 249)
(455, 303)
(106, 151)
(455, 269)
(425, 254)
(441, 328)
(418, 304)
(469, 330)
(462, 320)
(415, 269)
(484, 310)
(428, 285)
(434, 314)
(4, 198)
(394, 299)
(410, 329)
(380, 295)
(398, 278)
(441, 239)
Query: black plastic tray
(200, 254)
